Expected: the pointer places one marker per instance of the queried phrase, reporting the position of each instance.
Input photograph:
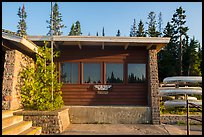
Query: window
(136, 73)
(69, 73)
(114, 73)
(92, 73)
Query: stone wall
(52, 122)
(15, 61)
(173, 119)
(153, 85)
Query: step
(8, 121)
(6, 113)
(32, 131)
(17, 128)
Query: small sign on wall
(102, 89)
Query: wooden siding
(120, 94)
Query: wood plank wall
(120, 94)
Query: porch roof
(11, 40)
(103, 41)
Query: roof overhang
(103, 41)
(11, 41)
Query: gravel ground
(125, 129)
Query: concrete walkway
(125, 129)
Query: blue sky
(93, 16)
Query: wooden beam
(103, 45)
(79, 44)
(126, 46)
(148, 47)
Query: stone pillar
(153, 85)
(14, 62)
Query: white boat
(190, 79)
(180, 103)
(169, 91)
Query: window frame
(101, 73)
(146, 77)
(105, 70)
(60, 72)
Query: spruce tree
(118, 33)
(152, 32)
(179, 20)
(22, 23)
(57, 21)
(168, 57)
(141, 31)
(160, 22)
(77, 28)
(72, 30)
(103, 32)
(133, 29)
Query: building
(110, 71)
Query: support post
(187, 116)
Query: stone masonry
(14, 63)
(153, 85)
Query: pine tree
(133, 29)
(118, 33)
(141, 32)
(97, 33)
(103, 32)
(168, 57)
(72, 30)
(179, 21)
(191, 59)
(152, 32)
(77, 28)
(22, 23)
(57, 21)
(160, 22)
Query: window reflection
(92, 73)
(69, 73)
(114, 73)
(136, 73)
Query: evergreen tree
(118, 33)
(103, 32)
(168, 57)
(22, 23)
(89, 34)
(133, 29)
(191, 59)
(97, 33)
(72, 30)
(77, 28)
(160, 22)
(152, 32)
(141, 32)
(57, 21)
(179, 21)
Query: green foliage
(141, 31)
(22, 23)
(37, 83)
(152, 32)
(75, 29)
(133, 29)
(57, 21)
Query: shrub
(36, 85)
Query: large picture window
(92, 73)
(136, 73)
(69, 73)
(114, 73)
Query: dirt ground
(129, 129)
